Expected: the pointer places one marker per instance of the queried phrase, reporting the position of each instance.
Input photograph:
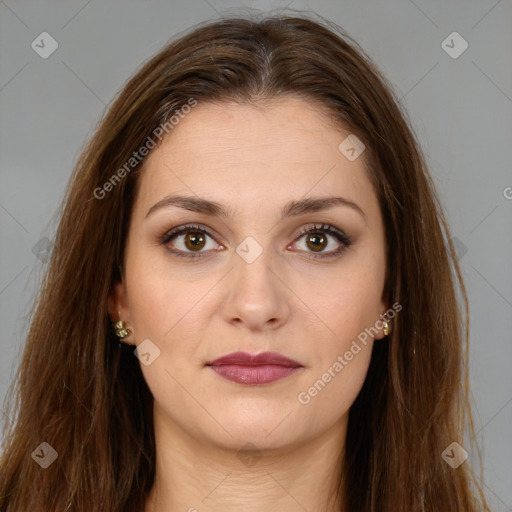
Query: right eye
(193, 239)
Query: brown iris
(194, 240)
(314, 239)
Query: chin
(265, 429)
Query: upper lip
(246, 359)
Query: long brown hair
(85, 396)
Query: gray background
(460, 108)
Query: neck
(192, 476)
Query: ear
(118, 309)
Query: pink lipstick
(246, 368)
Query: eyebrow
(290, 209)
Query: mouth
(245, 368)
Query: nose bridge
(256, 295)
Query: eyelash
(325, 228)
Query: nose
(257, 297)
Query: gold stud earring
(121, 330)
(386, 327)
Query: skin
(253, 161)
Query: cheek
(161, 299)
(173, 313)
(332, 391)
(340, 361)
(349, 301)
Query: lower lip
(260, 374)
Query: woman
(254, 221)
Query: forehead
(282, 150)
(232, 131)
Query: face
(265, 277)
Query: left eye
(194, 239)
(315, 239)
